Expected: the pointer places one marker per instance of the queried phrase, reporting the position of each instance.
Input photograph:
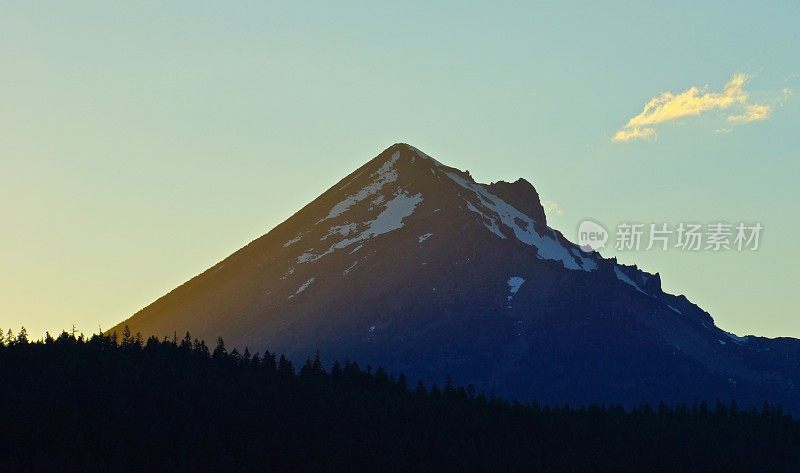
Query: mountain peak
(404, 149)
(522, 195)
(410, 264)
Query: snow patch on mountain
(424, 237)
(492, 225)
(548, 247)
(624, 278)
(293, 240)
(400, 207)
(391, 218)
(306, 257)
(588, 264)
(302, 288)
(342, 230)
(514, 283)
(347, 270)
(384, 175)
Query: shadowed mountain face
(412, 265)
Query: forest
(109, 403)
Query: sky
(142, 142)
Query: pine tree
(336, 370)
(220, 352)
(268, 363)
(22, 336)
(152, 342)
(448, 385)
(126, 336)
(381, 377)
(317, 365)
(285, 368)
(235, 356)
(199, 347)
(186, 343)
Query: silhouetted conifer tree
(186, 342)
(220, 353)
(22, 336)
(126, 336)
(285, 368)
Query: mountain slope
(412, 265)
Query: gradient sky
(140, 144)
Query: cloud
(668, 107)
(551, 207)
(752, 113)
(786, 94)
(635, 133)
(689, 103)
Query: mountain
(411, 265)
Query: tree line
(109, 403)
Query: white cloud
(752, 113)
(786, 94)
(634, 134)
(692, 102)
(552, 208)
